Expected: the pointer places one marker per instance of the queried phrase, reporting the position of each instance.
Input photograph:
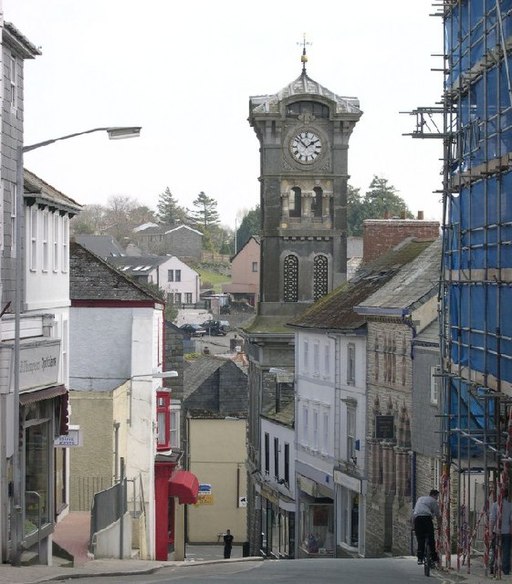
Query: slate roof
(41, 192)
(92, 278)
(303, 86)
(215, 388)
(104, 246)
(410, 288)
(19, 41)
(336, 310)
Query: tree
(90, 221)
(250, 225)
(381, 200)
(169, 212)
(206, 214)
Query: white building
(177, 280)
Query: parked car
(215, 327)
(194, 330)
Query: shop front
(277, 524)
(316, 517)
(350, 511)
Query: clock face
(306, 147)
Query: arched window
(320, 277)
(316, 207)
(296, 202)
(291, 278)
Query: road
(329, 571)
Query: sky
(185, 71)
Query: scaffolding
(474, 122)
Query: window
(320, 277)
(326, 432)
(327, 361)
(177, 275)
(316, 205)
(175, 425)
(14, 203)
(276, 458)
(351, 364)
(13, 78)
(435, 384)
(267, 453)
(65, 351)
(351, 432)
(33, 237)
(291, 278)
(315, 430)
(188, 297)
(177, 298)
(163, 420)
(305, 421)
(295, 202)
(170, 275)
(286, 463)
(65, 244)
(45, 240)
(55, 241)
(305, 356)
(254, 266)
(316, 359)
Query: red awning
(184, 485)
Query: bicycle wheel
(426, 559)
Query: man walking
(425, 510)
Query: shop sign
(352, 483)
(384, 427)
(39, 365)
(203, 499)
(242, 501)
(205, 489)
(70, 440)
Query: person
(502, 533)
(425, 510)
(228, 544)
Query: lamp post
(114, 133)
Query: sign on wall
(39, 364)
(384, 427)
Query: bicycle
(428, 562)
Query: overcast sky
(184, 71)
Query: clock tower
(303, 131)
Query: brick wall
(381, 235)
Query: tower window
(317, 202)
(319, 110)
(320, 277)
(291, 278)
(296, 202)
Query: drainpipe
(413, 494)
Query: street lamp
(114, 133)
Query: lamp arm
(52, 141)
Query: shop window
(163, 418)
(318, 529)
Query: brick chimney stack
(382, 235)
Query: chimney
(380, 236)
(421, 216)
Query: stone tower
(303, 131)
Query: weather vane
(304, 58)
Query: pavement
(72, 534)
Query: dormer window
(318, 110)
